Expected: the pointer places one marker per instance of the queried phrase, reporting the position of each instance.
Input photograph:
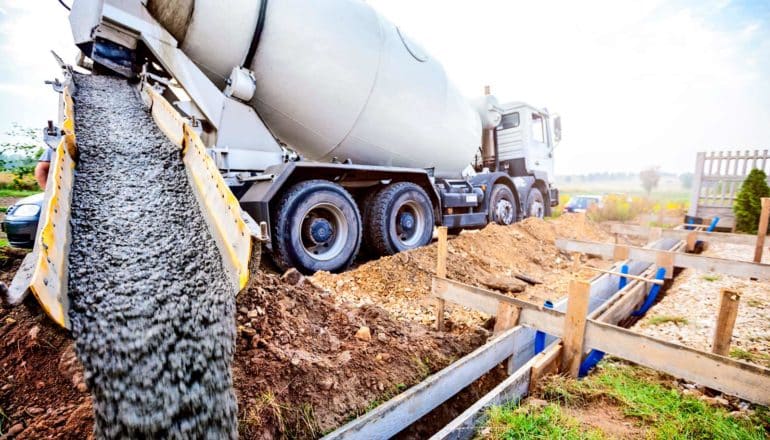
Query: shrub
(748, 204)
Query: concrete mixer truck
(327, 121)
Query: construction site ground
(313, 353)
(623, 401)
(687, 313)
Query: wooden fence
(717, 180)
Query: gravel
(694, 296)
(152, 311)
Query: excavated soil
(487, 258)
(299, 368)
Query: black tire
(502, 206)
(535, 203)
(317, 227)
(399, 218)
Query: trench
(435, 420)
(152, 309)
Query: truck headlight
(26, 210)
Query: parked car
(20, 224)
(582, 203)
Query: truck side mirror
(557, 129)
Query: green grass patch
(711, 278)
(18, 193)
(638, 394)
(666, 319)
(4, 243)
(748, 356)
(527, 422)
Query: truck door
(540, 155)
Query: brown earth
(401, 283)
(299, 368)
(311, 353)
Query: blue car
(20, 224)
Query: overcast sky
(638, 83)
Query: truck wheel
(502, 205)
(535, 203)
(317, 227)
(399, 218)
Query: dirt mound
(299, 370)
(401, 283)
(42, 393)
(304, 365)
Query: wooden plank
(630, 277)
(747, 381)
(441, 259)
(513, 388)
(545, 363)
(762, 230)
(704, 264)
(575, 326)
(728, 312)
(679, 234)
(390, 418)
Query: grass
(639, 395)
(17, 193)
(629, 206)
(293, 422)
(4, 243)
(755, 358)
(665, 319)
(753, 302)
(510, 422)
(711, 278)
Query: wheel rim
(504, 212)
(409, 224)
(323, 231)
(536, 209)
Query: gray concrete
(152, 310)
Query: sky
(638, 83)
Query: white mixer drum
(335, 79)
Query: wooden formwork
(585, 320)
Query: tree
(18, 155)
(686, 180)
(748, 204)
(650, 178)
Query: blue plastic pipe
(540, 336)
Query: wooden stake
(575, 327)
(666, 261)
(507, 317)
(762, 231)
(728, 312)
(692, 239)
(441, 273)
